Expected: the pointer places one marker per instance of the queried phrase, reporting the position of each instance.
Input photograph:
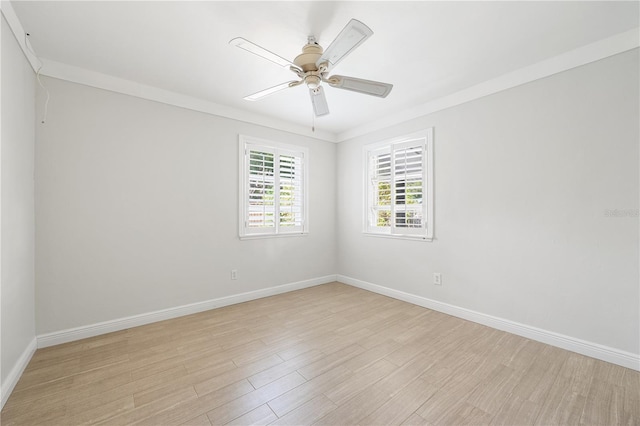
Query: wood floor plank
(369, 399)
(236, 374)
(72, 395)
(64, 369)
(402, 405)
(154, 367)
(415, 347)
(415, 420)
(328, 362)
(34, 415)
(539, 377)
(631, 384)
(252, 400)
(205, 359)
(579, 370)
(465, 414)
(516, 411)
(370, 356)
(359, 381)
(492, 392)
(607, 372)
(604, 405)
(269, 375)
(441, 405)
(202, 420)
(101, 413)
(258, 416)
(200, 406)
(309, 390)
(329, 354)
(308, 412)
(132, 415)
(78, 348)
(356, 408)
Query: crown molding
(581, 56)
(103, 81)
(18, 31)
(574, 58)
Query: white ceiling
(427, 50)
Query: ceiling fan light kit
(312, 66)
(319, 102)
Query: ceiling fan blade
(319, 102)
(368, 87)
(352, 35)
(260, 51)
(266, 92)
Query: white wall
(137, 210)
(17, 199)
(523, 180)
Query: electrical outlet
(437, 278)
(234, 274)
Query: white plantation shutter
(273, 189)
(261, 202)
(399, 197)
(407, 185)
(380, 188)
(291, 192)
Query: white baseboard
(83, 332)
(16, 371)
(594, 350)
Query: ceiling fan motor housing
(311, 52)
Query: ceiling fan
(312, 66)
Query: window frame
(391, 146)
(245, 145)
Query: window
(399, 187)
(273, 188)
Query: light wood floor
(331, 354)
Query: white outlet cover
(437, 278)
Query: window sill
(263, 236)
(399, 237)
